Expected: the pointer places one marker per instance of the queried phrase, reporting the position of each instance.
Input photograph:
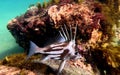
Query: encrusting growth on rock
(41, 24)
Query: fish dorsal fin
(75, 32)
(71, 33)
(64, 33)
(68, 36)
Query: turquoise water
(8, 10)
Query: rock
(7, 70)
(11, 65)
(41, 24)
(73, 67)
(17, 64)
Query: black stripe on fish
(61, 50)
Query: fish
(63, 51)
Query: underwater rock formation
(15, 66)
(39, 24)
(14, 71)
(42, 23)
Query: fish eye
(76, 53)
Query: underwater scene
(60, 37)
(9, 9)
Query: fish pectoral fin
(61, 66)
(45, 59)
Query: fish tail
(32, 50)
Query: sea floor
(17, 64)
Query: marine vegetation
(96, 35)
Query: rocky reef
(13, 66)
(41, 23)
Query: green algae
(19, 61)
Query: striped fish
(61, 51)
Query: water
(8, 10)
